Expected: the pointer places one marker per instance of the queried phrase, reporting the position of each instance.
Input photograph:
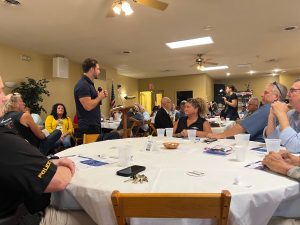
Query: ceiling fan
(201, 62)
(122, 5)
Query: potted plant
(32, 91)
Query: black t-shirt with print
(11, 120)
(24, 174)
(182, 124)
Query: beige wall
(257, 84)
(12, 68)
(201, 85)
(288, 80)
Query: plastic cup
(124, 155)
(169, 132)
(160, 132)
(227, 119)
(191, 135)
(273, 145)
(240, 153)
(111, 119)
(242, 140)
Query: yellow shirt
(52, 124)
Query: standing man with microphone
(88, 100)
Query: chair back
(88, 138)
(152, 129)
(172, 205)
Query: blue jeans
(66, 142)
(47, 145)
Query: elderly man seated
(289, 121)
(162, 118)
(251, 107)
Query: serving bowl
(171, 145)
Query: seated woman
(195, 110)
(58, 120)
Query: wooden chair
(171, 205)
(88, 138)
(152, 129)
(77, 139)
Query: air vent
(289, 28)
(12, 2)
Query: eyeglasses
(293, 90)
(276, 85)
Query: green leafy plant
(32, 91)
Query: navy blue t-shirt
(88, 121)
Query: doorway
(148, 99)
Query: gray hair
(10, 103)
(254, 100)
(280, 89)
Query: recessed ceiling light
(289, 28)
(191, 42)
(251, 72)
(215, 68)
(276, 70)
(274, 74)
(227, 74)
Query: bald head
(166, 103)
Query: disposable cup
(160, 132)
(273, 145)
(169, 132)
(227, 119)
(124, 155)
(192, 134)
(242, 140)
(240, 152)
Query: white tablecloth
(253, 202)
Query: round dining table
(256, 193)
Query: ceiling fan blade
(153, 3)
(211, 63)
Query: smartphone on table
(210, 140)
(130, 171)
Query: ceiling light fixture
(227, 74)
(200, 67)
(191, 42)
(251, 72)
(122, 6)
(215, 68)
(276, 70)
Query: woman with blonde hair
(195, 110)
(58, 120)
